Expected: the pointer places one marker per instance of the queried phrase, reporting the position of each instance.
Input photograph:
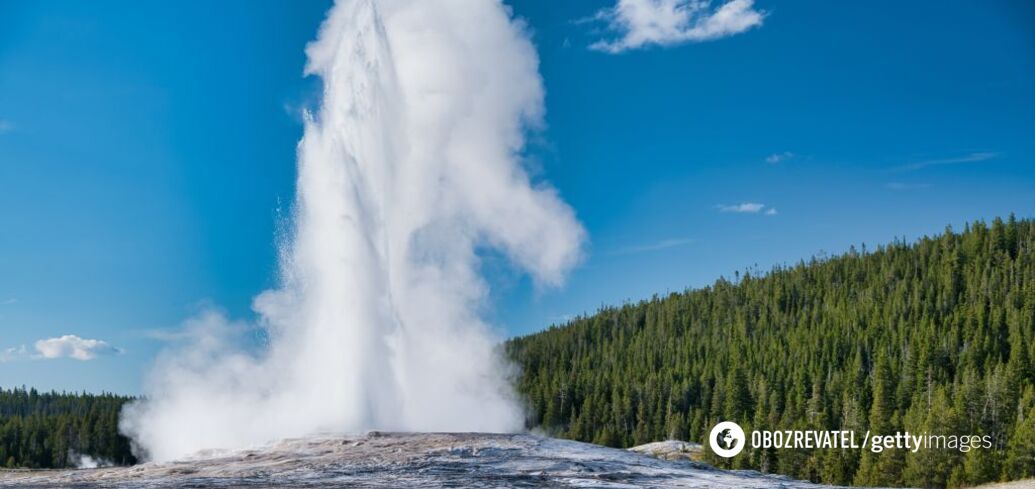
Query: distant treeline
(935, 336)
(52, 430)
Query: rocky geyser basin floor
(410, 460)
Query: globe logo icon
(727, 439)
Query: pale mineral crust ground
(469, 460)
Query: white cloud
(747, 208)
(8, 301)
(67, 346)
(968, 158)
(641, 23)
(72, 346)
(6, 126)
(743, 207)
(778, 157)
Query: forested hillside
(50, 430)
(934, 336)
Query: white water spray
(409, 168)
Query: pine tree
(1020, 452)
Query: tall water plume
(408, 171)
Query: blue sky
(147, 154)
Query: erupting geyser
(410, 166)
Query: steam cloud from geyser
(410, 167)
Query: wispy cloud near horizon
(974, 157)
(747, 208)
(13, 353)
(638, 24)
(67, 346)
(779, 157)
(72, 346)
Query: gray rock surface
(671, 450)
(409, 460)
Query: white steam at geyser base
(409, 168)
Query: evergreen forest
(55, 430)
(934, 336)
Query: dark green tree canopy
(936, 335)
(51, 430)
